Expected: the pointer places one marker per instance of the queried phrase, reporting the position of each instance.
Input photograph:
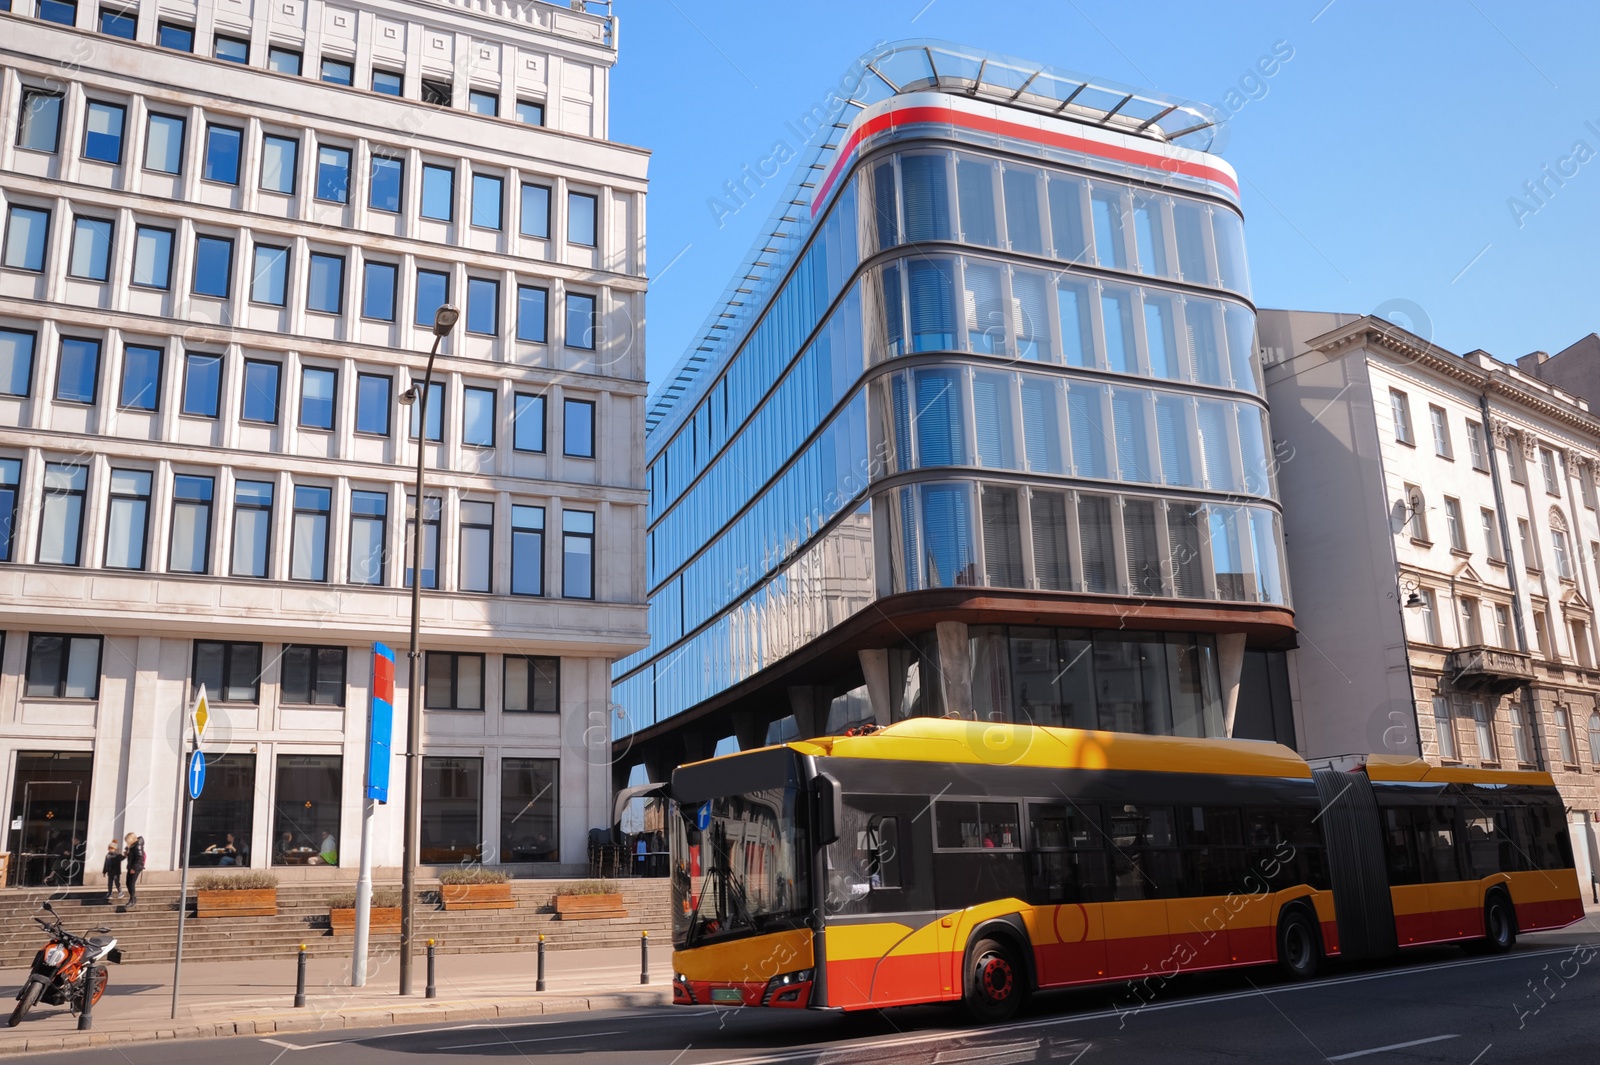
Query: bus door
(1145, 873)
(1069, 880)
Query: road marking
(1392, 1046)
(542, 1039)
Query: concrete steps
(148, 934)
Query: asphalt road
(1440, 1005)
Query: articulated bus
(938, 860)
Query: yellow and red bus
(938, 860)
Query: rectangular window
(581, 208)
(10, 476)
(1452, 519)
(369, 531)
(580, 321)
(477, 417)
(536, 211)
(1547, 468)
(1586, 484)
(435, 412)
(454, 681)
(527, 551)
(430, 540)
(531, 313)
(1441, 432)
(252, 528)
(1541, 634)
(317, 387)
(91, 249)
(283, 61)
(1519, 734)
(483, 306)
(1530, 554)
(1488, 750)
(477, 546)
(191, 525)
(269, 278)
(530, 112)
(1563, 556)
(388, 82)
(78, 374)
(39, 123)
(532, 684)
(577, 554)
(127, 519)
(1428, 615)
(61, 12)
(433, 292)
(979, 826)
(378, 291)
(452, 810)
(530, 810)
(1502, 625)
(1515, 468)
(306, 806)
(487, 193)
(325, 288)
(480, 102)
(1491, 534)
(102, 132)
(213, 266)
(152, 257)
(176, 36)
(1580, 644)
(280, 162)
(27, 234)
(373, 400)
(230, 49)
(438, 192)
(231, 672)
(1400, 408)
(222, 154)
(333, 174)
(141, 377)
(16, 362)
(308, 559)
(1469, 635)
(163, 145)
(261, 391)
(1475, 446)
(527, 432)
(312, 676)
(386, 179)
(113, 23)
(577, 429)
(63, 667)
(438, 93)
(338, 72)
(202, 384)
(1444, 728)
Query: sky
(1385, 166)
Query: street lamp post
(444, 320)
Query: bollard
(430, 991)
(644, 957)
(1594, 886)
(86, 1018)
(300, 979)
(540, 985)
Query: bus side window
(1068, 863)
(883, 849)
(1400, 845)
(1554, 846)
(1436, 827)
(1483, 844)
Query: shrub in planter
(475, 888)
(384, 916)
(588, 900)
(252, 893)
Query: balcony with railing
(1488, 669)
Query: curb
(308, 1020)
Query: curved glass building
(979, 432)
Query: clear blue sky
(1376, 165)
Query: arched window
(1594, 738)
(1558, 541)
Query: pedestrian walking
(135, 867)
(113, 870)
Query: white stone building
(1444, 547)
(228, 226)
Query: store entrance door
(49, 812)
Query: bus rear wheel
(1499, 924)
(994, 985)
(1298, 951)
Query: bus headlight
(789, 989)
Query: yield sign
(201, 714)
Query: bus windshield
(740, 865)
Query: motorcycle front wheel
(25, 1001)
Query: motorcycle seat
(99, 941)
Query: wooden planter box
(385, 920)
(589, 907)
(476, 896)
(252, 902)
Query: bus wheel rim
(1298, 947)
(996, 978)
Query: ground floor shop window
(49, 810)
(529, 819)
(225, 812)
(305, 810)
(452, 810)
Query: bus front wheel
(1297, 945)
(1499, 924)
(995, 987)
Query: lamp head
(409, 396)
(444, 320)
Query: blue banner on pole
(380, 723)
(197, 773)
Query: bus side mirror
(830, 809)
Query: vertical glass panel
(1149, 229)
(947, 535)
(487, 193)
(384, 193)
(78, 376)
(202, 384)
(102, 138)
(1097, 538)
(582, 210)
(141, 377)
(1041, 424)
(528, 423)
(388, 82)
(1132, 434)
(527, 550)
(925, 188)
(1161, 336)
(1189, 226)
(325, 287)
(1253, 450)
(477, 417)
(222, 155)
(1215, 447)
(152, 257)
(316, 397)
(1024, 227)
(270, 276)
(996, 425)
(438, 192)
(1067, 228)
(1109, 244)
(1002, 537)
(932, 292)
(1077, 336)
(260, 400)
(213, 266)
(886, 217)
(309, 550)
(536, 211)
(368, 533)
(530, 828)
(279, 157)
(1227, 556)
(378, 291)
(1172, 438)
(39, 121)
(452, 810)
(530, 112)
(305, 809)
(1241, 325)
(1143, 542)
(477, 553)
(433, 292)
(1030, 315)
(581, 324)
(27, 233)
(252, 527)
(940, 431)
(1116, 311)
(191, 525)
(985, 308)
(894, 326)
(532, 313)
(1229, 234)
(127, 519)
(1052, 568)
(16, 362)
(1264, 541)
(91, 249)
(1086, 424)
(1183, 539)
(975, 191)
(372, 404)
(1205, 340)
(483, 306)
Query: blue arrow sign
(197, 773)
(702, 819)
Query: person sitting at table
(226, 852)
(285, 847)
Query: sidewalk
(256, 996)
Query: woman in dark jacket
(135, 867)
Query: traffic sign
(702, 819)
(201, 715)
(197, 773)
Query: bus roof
(1406, 769)
(937, 739)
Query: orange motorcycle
(62, 968)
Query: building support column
(875, 669)
(809, 717)
(749, 730)
(955, 668)
(1230, 667)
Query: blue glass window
(932, 291)
(118, 24)
(270, 278)
(975, 195)
(527, 550)
(1241, 327)
(532, 305)
(386, 175)
(61, 12)
(190, 551)
(947, 535)
(1041, 424)
(78, 375)
(261, 391)
(577, 554)
(1109, 247)
(213, 266)
(925, 188)
(483, 306)
(387, 82)
(372, 403)
(177, 37)
(378, 290)
(994, 419)
(202, 384)
(325, 292)
(1172, 440)
(141, 377)
(283, 61)
(27, 232)
(1128, 424)
(231, 49)
(477, 418)
(487, 192)
(338, 72)
(317, 387)
(941, 438)
(10, 476)
(1085, 422)
(483, 103)
(222, 154)
(163, 146)
(577, 428)
(333, 174)
(308, 550)
(39, 122)
(1161, 336)
(530, 112)
(91, 249)
(580, 321)
(438, 192)
(581, 209)
(280, 157)
(1067, 228)
(433, 292)
(102, 132)
(16, 361)
(435, 411)
(1116, 309)
(527, 433)
(152, 257)
(536, 211)
(1024, 224)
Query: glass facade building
(979, 431)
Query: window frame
(26, 111)
(382, 577)
(325, 257)
(238, 159)
(60, 684)
(532, 664)
(229, 647)
(422, 203)
(462, 525)
(277, 392)
(188, 368)
(274, 52)
(544, 315)
(494, 402)
(172, 244)
(522, 212)
(122, 134)
(218, 38)
(1400, 413)
(293, 171)
(183, 141)
(567, 403)
(1439, 421)
(79, 220)
(44, 249)
(455, 658)
(591, 536)
(312, 674)
(227, 279)
(61, 365)
(210, 502)
(122, 385)
(388, 415)
(349, 163)
(112, 495)
(252, 507)
(594, 320)
(295, 510)
(477, 285)
(594, 219)
(166, 25)
(333, 401)
(516, 420)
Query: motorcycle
(61, 969)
